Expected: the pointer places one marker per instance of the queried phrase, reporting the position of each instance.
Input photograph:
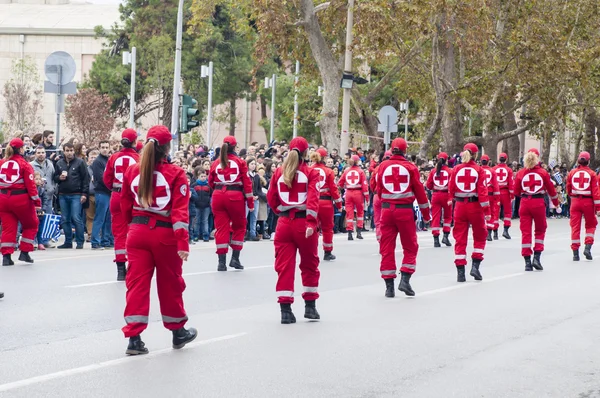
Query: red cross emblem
(121, 165)
(488, 177)
(229, 174)
(352, 178)
(581, 181)
(322, 178)
(502, 174)
(298, 193)
(442, 179)
(396, 178)
(532, 183)
(161, 193)
(10, 171)
(466, 179)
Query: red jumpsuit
(398, 185)
(116, 167)
(232, 189)
(18, 200)
(155, 236)
(439, 200)
(582, 187)
(298, 209)
(467, 188)
(531, 185)
(493, 188)
(328, 191)
(504, 174)
(376, 203)
(355, 183)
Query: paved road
(513, 335)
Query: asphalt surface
(515, 334)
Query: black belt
(117, 189)
(581, 197)
(471, 199)
(353, 189)
(298, 214)
(387, 205)
(231, 187)
(540, 196)
(144, 220)
(325, 197)
(13, 192)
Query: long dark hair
(438, 167)
(225, 149)
(151, 155)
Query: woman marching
(228, 177)
(294, 196)
(438, 183)
(154, 201)
(376, 198)
(354, 182)
(531, 184)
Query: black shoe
(328, 256)
(505, 233)
(460, 273)
(24, 256)
(489, 237)
(183, 336)
(79, 247)
(222, 262)
(235, 260)
(121, 271)
(287, 316)
(495, 234)
(136, 346)
(358, 234)
(1, 295)
(266, 236)
(65, 246)
(390, 290)
(310, 310)
(445, 239)
(536, 261)
(436, 241)
(405, 284)
(6, 260)
(350, 235)
(528, 266)
(475, 270)
(588, 252)
(575, 255)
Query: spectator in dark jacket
(192, 210)
(202, 205)
(101, 229)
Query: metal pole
(296, 99)
(273, 107)
(345, 136)
(132, 94)
(58, 105)
(210, 99)
(176, 80)
(406, 123)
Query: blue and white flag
(51, 226)
(552, 163)
(557, 178)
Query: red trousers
(355, 198)
(17, 209)
(229, 212)
(325, 216)
(393, 222)
(119, 227)
(582, 207)
(152, 248)
(289, 239)
(532, 210)
(493, 224)
(506, 205)
(468, 214)
(377, 215)
(439, 203)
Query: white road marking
(100, 253)
(465, 285)
(102, 365)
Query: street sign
(388, 119)
(60, 65)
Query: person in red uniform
(354, 181)
(491, 182)
(294, 197)
(155, 201)
(19, 203)
(531, 184)
(582, 187)
(329, 195)
(232, 189)
(116, 167)
(437, 182)
(504, 175)
(472, 208)
(398, 185)
(376, 198)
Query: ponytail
(223, 156)
(466, 156)
(530, 160)
(290, 166)
(315, 157)
(151, 155)
(126, 143)
(8, 152)
(438, 168)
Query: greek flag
(557, 178)
(51, 226)
(417, 211)
(552, 163)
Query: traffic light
(187, 113)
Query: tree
(23, 98)
(88, 116)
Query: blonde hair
(467, 156)
(8, 152)
(290, 166)
(530, 160)
(315, 157)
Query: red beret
(584, 155)
(471, 148)
(16, 143)
(322, 152)
(399, 143)
(534, 150)
(387, 154)
(159, 134)
(230, 140)
(129, 134)
(356, 158)
(485, 157)
(299, 143)
(443, 155)
(503, 155)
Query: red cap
(299, 143)
(356, 158)
(322, 152)
(443, 155)
(16, 143)
(584, 155)
(387, 154)
(230, 140)
(534, 150)
(471, 148)
(129, 134)
(159, 134)
(503, 155)
(399, 143)
(485, 157)
(139, 145)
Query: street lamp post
(177, 80)
(272, 83)
(296, 80)
(129, 58)
(345, 136)
(207, 71)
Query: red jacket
(491, 181)
(399, 182)
(326, 184)
(117, 165)
(17, 174)
(439, 183)
(505, 177)
(373, 180)
(536, 181)
(467, 181)
(235, 174)
(303, 195)
(354, 178)
(582, 181)
(171, 199)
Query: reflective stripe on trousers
(136, 319)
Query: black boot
(436, 241)
(287, 316)
(405, 284)
(575, 255)
(1, 295)
(536, 261)
(528, 266)
(7, 260)
(475, 270)
(310, 310)
(24, 256)
(183, 336)
(222, 262)
(445, 239)
(489, 238)
(358, 234)
(350, 235)
(390, 290)
(588, 252)
(235, 260)
(495, 234)
(121, 271)
(136, 346)
(505, 233)
(460, 271)
(328, 256)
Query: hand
(558, 210)
(309, 231)
(183, 255)
(450, 203)
(488, 218)
(598, 213)
(255, 197)
(427, 220)
(251, 209)
(83, 199)
(62, 177)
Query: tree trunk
(232, 116)
(167, 108)
(263, 115)
(513, 144)
(589, 134)
(547, 144)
